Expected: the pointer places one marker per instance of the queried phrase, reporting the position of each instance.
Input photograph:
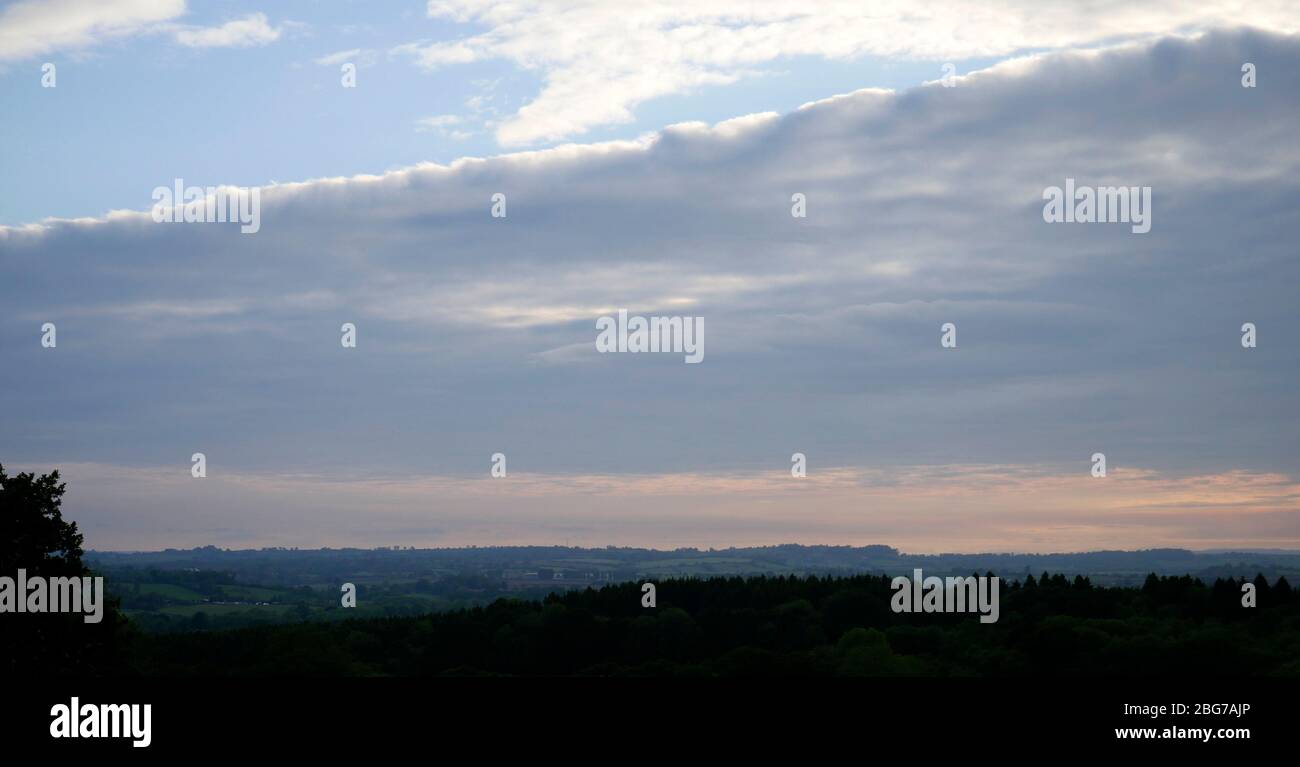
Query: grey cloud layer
(822, 335)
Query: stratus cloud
(924, 207)
(360, 56)
(600, 60)
(249, 31)
(34, 27)
(445, 125)
(335, 59)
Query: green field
(252, 594)
(171, 591)
(185, 611)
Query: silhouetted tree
(1282, 590)
(35, 538)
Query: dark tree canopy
(33, 533)
(35, 538)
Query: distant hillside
(565, 567)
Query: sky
(649, 158)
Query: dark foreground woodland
(779, 626)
